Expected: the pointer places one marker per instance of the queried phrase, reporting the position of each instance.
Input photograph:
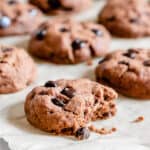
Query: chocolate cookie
(127, 71)
(67, 41)
(127, 18)
(17, 70)
(61, 6)
(18, 18)
(66, 106)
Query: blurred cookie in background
(18, 18)
(69, 42)
(126, 18)
(17, 69)
(61, 6)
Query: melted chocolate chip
(103, 60)
(97, 32)
(78, 44)
(124, 63)
(41, 34)
(69, 92)
(131, 54)
(58, 102)
(5, 22)
(82, 133)
(64, 30)
(50, 84)
(54, 4)
(147, 63)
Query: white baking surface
(20, 135)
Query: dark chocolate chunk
(82, 133)
(54, 4)
(50, 84)
(147, 63)
(58, 102)
(41, 34)
(97, 32)
(69, 92)
(78, 44)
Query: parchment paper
(20, 135)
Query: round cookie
(18, 18)
(61, 6)
(128, 18)
(69, 42)
(127, 71)
(66, 106)
(17, 69)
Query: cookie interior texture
(16, 18)
(61, 6)
(126, 18)
(69, 42)
(127, 71)
(17, 69)
(66, 106)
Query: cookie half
(126, 18)
(66, 106)
(128, 71)
(18, 18)
(69, 42)
(17, 69)
(61, 6)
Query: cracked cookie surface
(61, 6)
(17, 69)
(17, 18)
(66, 106)
(128, 18)
(69, 42)
(128, 71)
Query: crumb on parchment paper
(138, 119)
(102, 131)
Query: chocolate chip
(78, 44)
(63, 30)
(124, 63)
(97, 32)
(147, 63)
(112, 18)
(33, 12)
(50, 84)
(82, 133)
(5, 22)
(11, 2)
(54, 4)
(58, 102)
(69, 92)
(103, 60)
(130, 54)
(41, 34)
(133, 20)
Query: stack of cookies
(65, 107)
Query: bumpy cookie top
(61, 6)
(17, 18)
(67, 41)
(128, 71)
(66, 106)
(17, 70)
(128, 18)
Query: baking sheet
(20, 135)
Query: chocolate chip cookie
(18, 18)
(127, 18)
(61, 6)
(66, 106)
(127, 71)
(17, 69)
(69, 42)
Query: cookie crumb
(89, 62)
(102, 131)
(138, 119)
